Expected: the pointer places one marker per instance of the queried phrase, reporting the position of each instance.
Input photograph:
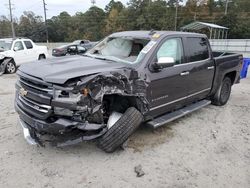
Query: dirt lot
(209, 148)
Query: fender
(121, 83)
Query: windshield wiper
(98, 57)
(104, 58)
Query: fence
(241, 46)
(52, 45)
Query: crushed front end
(54, 114)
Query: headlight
(85, 92)
(2, 56)
(67, 96)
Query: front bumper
(26, 133)
(60, 132)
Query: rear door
(201, 68)
(30, 51)
(167, 88)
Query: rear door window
(198, 49)
(28, 44)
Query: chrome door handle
(210, 68)
(184, 73)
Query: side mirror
(16, 48)
(164, 62)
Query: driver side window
(171, 48)
(18, 46)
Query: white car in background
(17, 51)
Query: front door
(168, 87)
(20, 55)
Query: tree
(31, 26)
(94, 23)
(112, 22)
(59, 27)
(5, 28)
(172, 3)
(114, 5)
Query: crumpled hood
(59, 70)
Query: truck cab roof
(151, 34)
(16, 38)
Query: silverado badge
(23, 92)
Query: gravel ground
(208, 148)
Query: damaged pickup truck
(17, 51)
(129, 78)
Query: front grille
(41, 87)
(34, 105)
(37, 97)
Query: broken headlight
(68, 103)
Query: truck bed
(226, 62)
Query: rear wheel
(11, 67)
(223, 93)
(120, 131)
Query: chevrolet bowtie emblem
(23, 92)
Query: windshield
(5, 44)
(63, 46)
(120, 49)
(76, 42)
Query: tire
(10, 67)
(121, 130)
(223, 93)
(41, 57)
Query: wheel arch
(120, 103)
(10, 59)
(42, 54)
(231, 75)
(6, 61)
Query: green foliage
(5, 27)
(96, 23)
(114, 5)
(32, 26)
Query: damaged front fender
(124, 82)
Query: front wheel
(10, 67)
(223, 93)
(120, 131)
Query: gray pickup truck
(128, 79)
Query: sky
(54, 6)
